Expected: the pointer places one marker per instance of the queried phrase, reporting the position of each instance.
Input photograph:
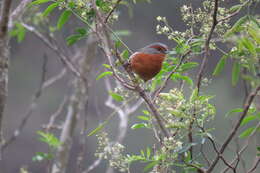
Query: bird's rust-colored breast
(146, 65)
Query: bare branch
(256, 163)
(30, 109)
(64, 59)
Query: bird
(147, 62)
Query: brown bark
(4, 60)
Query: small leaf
(148, 152)
(20, 32)
(236, 110)
(150, 165)
(236, 27)
(116, 96)
(73, 39)
(145, 118)
(81, 31)
(185, 78)
(188, 66)
(247, 132)
(235, 72)
(146, 112)
(249, 46)
(255, 34)
(125, 54)
(64, 17)
(118, 44)
(139, 125)
(235, 8)
(96, 130)
(104, 74)
(37, 2)
(49, 9)
(220, 65)
(107, 66)
(247, 119)
(194, 95)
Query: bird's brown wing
(146, 65)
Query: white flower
(159, 18)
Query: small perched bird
(147, 62)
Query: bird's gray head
(155, 48)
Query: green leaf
(235, 8)
(49, 9)
(118, 44)
(64, 17)
(104, 74)
(81, 31)
(150, 165)
(49, 139)
(249, 45)
(125, 54)
(107, 66)
(96, 130)
(236, 27)
(146, 112)
(116, 96)
(235, 72)
(247, 132)
(188, 66)
(139, 125)
(255, 34)
(178, 76)
(247, 119)
(73, 39)
(20, 32)
(194, 95)
(220, 65)
(236, 110)
(37, 2)
(145, 118)
(148, 152)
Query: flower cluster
(180, 112)
(113, 152)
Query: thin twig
(207, 42)
(113, 9)
(256, 163)
(31, 108)
(64, 59)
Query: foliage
(184, 117)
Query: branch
(4, 63)
(18, 12)
(30, 109)
(256, 163)
(64, 59)
(207, 42)
(248, 103)
(113, 9)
